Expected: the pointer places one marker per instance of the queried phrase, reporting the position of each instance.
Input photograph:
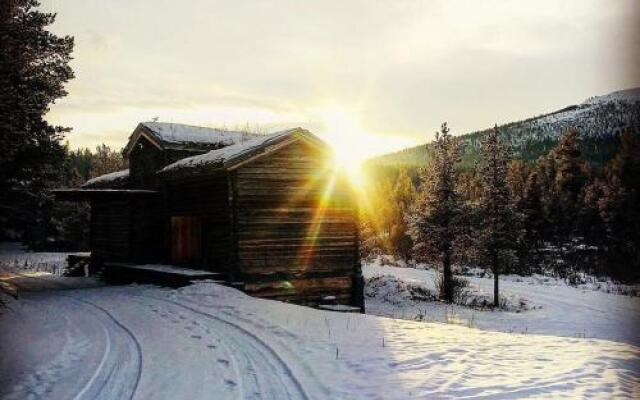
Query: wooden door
(186, 240)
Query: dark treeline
(56, 225)
(559, 214)
(67, 223)
(34, 68)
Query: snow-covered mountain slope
(598, 119)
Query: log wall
(295, 227)
(144, 161)
(110, 234)
(127, 229)
(147, 230)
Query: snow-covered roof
(228, 156)
(114, 178)
(181, 136)
(180, 133)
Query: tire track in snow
(116, 362)
(96, 375)
(288, 379)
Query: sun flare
(351, 144)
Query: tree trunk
(496, 293)
(447, 277)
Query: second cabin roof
(231, 156)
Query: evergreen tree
(399, 241)
(569, 181)
(70, 220)
(517, 175)
(105, 160)
(33, 70)
(437, 219)
(533, 223)
(498, 234)
(619, 209)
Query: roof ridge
(227, 155)
(196, 126)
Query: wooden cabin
(269, 211)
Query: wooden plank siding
(147, 230)
(296, 231)
(144, 160)
(207, 200)
(110, 233)
(127, 229)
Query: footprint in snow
(230, 383)
(196, 336)
(211, 346)
(223, 362)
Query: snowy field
(207, 341)
(540, 305)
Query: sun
(351, 144)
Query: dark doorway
(186, 240)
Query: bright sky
(372, 76)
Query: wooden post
(232, 206)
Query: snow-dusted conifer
(498, 232)
(436, 219)
(34, 66)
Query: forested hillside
(599, 120)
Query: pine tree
(533, 223)
(436, 221)
(569, 181)
(33, 70)
(105, 161)
(517, 175)
(402, 197)
(619, 209)
(498, 234)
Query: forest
(560, 214)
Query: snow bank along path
(207, 341)
(561, 310)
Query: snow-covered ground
(14, 257)
(209, 341)
(540, 305)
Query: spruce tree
(533, 223)
(620, 212)
(33, 70)
(569, 182)
(402, 197)
(436, 221)
(498, 234)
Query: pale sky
(374, 76)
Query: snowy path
(93, 332)
(84, 332)
(207, 341)
(561, 310)
(244, 353)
